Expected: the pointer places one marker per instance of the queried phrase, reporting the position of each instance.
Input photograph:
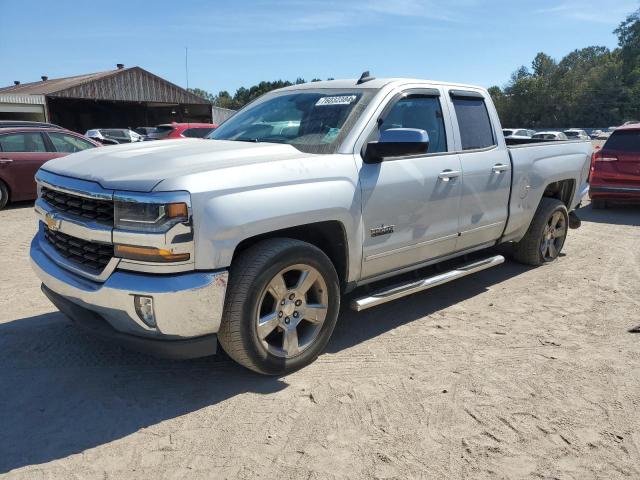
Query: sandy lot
(511, 373)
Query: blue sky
(238, 43)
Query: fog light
(144, 309)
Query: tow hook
(574, 221)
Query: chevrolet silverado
(250, 237)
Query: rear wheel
(4, 195)
(546, 235)
(281, 308)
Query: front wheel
(546, 235)
(281, 308)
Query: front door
(410, 204)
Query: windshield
(311, 121)
(571, 134)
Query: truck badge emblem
(382, 230)
(52, 222)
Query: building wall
(23, 107)
(219, 115)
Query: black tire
(249, 278)
(598, 203)
(529, 250)
(4, 195)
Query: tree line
(245, 95)
(589, 87)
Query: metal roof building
(124, 97)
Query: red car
(615, 169)
(182, 130)
(23, 150)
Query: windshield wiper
(249, 140)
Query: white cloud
(592, 11)
(313, 15)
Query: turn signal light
(149, 254)
(175, 210)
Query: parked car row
(177, 130)
(174, 130)
(26, 146)
(114, 136)
(524, 133)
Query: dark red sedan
(615, 169)
(23, 150)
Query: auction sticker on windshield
(341, 100)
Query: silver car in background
(549, 136)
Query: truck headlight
(153, 227)
(149, 217)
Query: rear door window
(68, 143)
(624, 141)
(476, 130)
(22, 142)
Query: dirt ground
(511, 373)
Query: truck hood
(141, 166)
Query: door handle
(447, 175)
(5, 161)
(499, 168)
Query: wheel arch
(329, 236)
(563, 190)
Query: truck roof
(376, 83)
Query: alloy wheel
(553, 236)
(292, 310)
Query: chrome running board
(399, 291)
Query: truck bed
(538, 164)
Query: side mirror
(397, 142)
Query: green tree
(589, 87)
(202, 93)
(629, 40)
(245, 95)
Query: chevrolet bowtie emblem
(52, 222)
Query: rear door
(624, 146)
(21, 155)
(486, 170)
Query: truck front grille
(93, 209)
(90, 255)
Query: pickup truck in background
(251, 238)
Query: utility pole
(186, 64)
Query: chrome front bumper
(186, 305)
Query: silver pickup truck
(251, 237)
